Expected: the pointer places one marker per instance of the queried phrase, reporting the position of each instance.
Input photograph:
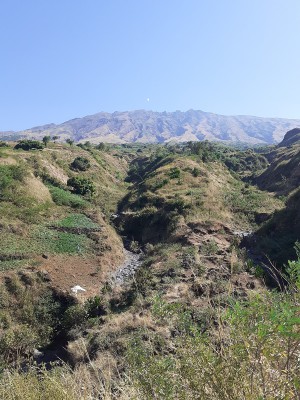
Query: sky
(63, 59)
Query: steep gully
(56, 352)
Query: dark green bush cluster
(82, 185)
(29, 145)
(80, 164)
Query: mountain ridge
(162, 127)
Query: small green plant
(293, 268)
(94, 307)
(209, 248)
(134, 246)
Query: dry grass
(37, 190)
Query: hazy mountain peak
(159, 127)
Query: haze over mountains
(160, 127)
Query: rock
(37, 354)
(45, 256)
(44, 274)
(75, 289)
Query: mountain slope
(159, 127)
(290, 138)
(283, 174)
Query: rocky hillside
(160, 127)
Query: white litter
(77, 288)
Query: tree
(88, 145)
(54, 138)
(46, 140)
(100, 146)
(70, 142)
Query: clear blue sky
(62, 59)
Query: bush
(29, 145)
(74, 316)
(80, 164)
(82, 185)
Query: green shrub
(74, 316)
(80, 164)
(82, 185)
(94, 306)
(209, 248)
(29, 145)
